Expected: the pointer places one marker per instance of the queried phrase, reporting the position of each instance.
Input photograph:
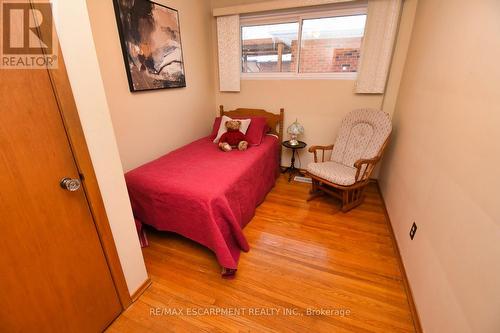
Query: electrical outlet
(413, 231)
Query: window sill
(301, 76)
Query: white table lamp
(295, 129)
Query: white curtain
(228, 39)
(378, 43)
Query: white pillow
(245, 123)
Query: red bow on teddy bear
(233, 138)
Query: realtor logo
(28, 34)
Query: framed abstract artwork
(150, 38)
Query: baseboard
(411, 302)
(144, 286)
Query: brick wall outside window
(346, 60)
(320, 56)
(330, 55)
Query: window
(330, 43)
(268, 48)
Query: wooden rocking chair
(363, 136)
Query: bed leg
(228, 273)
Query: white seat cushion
(334, 172)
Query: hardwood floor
(304, 255)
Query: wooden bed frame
(274, 121)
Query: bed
(207, 195)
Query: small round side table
(292, 170)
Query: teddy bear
(233, 138)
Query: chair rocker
(363, 136)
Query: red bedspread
(205, 194)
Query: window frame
(298, 16)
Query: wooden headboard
(274, 121)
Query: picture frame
(150, 39)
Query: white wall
(75, 36)
(150, 124)
(441, 169)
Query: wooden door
(54, 276)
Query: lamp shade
(295, 129)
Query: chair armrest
(362, 175)
(314, 149)
(361, 162)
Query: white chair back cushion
(361, 136)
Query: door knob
(70, 184)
